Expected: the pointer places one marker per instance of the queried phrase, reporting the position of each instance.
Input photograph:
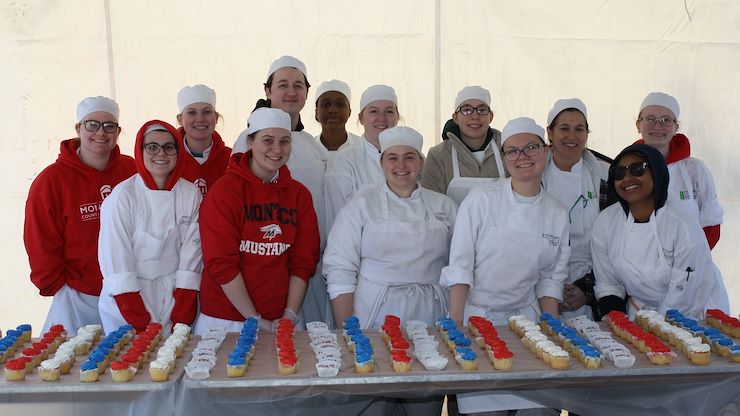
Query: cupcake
(236, 367)
(49, 370)
(401, 361)
(466, 358)
(25, 330)
(502, 358)
(699, 354)
(559, 359)
(15, 370)
(89, 372)
(363, 362)
(120, 371)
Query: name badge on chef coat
(551, 239)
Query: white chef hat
(198, 93)
(155, 127)
(662, 99)
(564, 104)
(400, 135)
(93, 104)
(289, 62)
(334, 85)
(376, 93)
(521, 125)
(266, 118)
(472, 92)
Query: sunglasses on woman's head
(636, 169)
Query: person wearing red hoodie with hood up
(63, 215)
(149, 248)
(260, 233)
(691, 185)
(205, 155)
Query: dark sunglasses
(636, 169)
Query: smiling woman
(149, 249)
(648, 249)
(576, 176)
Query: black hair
(658, 170)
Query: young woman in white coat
(509, 252)
(387, 248)
(356, 167)
(691, 186)
(389, 243)
(648, 248)
(469, 155)
(149, 247)
(576, 177)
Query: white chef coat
(389, 252)
(510, 250)
(149, 243)
(460, 186)
(350, 171)
(650, 262)
(351, 139)
(578, 191)
(691, 187)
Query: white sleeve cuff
(187, 280)
(549, 287)
(118, 283)
(453, 275)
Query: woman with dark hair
(576, 177)
(149, 247)
(652, 251)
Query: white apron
(460, 186)
(72, 309)
(156, 261)
(399, 273)
(634, 273)
(205, 322)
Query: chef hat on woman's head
(267, 118)
(286, 61)
(377, 93)
(94, 104)
(472, 92)
(521, 125)
(401, 136)
(662, 99)
(198, 93)
(564, 104)
(334, 85)
(658, 170)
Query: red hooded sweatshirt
(63, 220)
(205, 175)
(679, 148)
(265, 231)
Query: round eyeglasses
(94, 125)
(170, 149)
(530, 150)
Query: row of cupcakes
(657, 352)
(426, 346)
(173, 347)
(718, 342)
(14, 340)
(325, 346)
(358, 344)
(204, 355)
(487, 338)
(458, 344)
(613, 350)
(398, 345)
(571, 341)
(538, 343)
(729, 325)
(241, 356)
(285, 345)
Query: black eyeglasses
(94, 125)
(467, 110)
(636, 169)
(170, 149)
(529, 150)
(664, 121)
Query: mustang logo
(271, 231)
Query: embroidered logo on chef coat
(202, 185)
(551, 239)
(271, 231)
(668, 254)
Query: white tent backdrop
(528, 53)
